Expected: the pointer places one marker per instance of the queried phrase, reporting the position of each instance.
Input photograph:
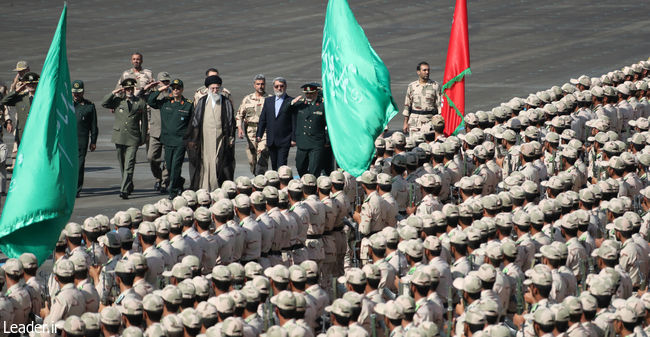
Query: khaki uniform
(90, 294)
(226, 251)
(428, 205)
(247, 117)
(19, 296)
(170, 255)
(182, 245)
(142, 78)
(625, 114)
(143, 288)
(329, 244)
(240, 239)
(421, 103)
(291, 238)
(389, 209)
(428, 311)
(629, 261)
(314, 242)
(36, 291)
(155, 264)
(577, 255)
(301, 215)
(267, 225)
(107, 278)
(69, 301)
(253, 239)
(280, 237)
(341, 238)
(155, 148)
(372, 221)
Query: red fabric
(457, 62)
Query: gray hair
(281, 80)
(259, 77)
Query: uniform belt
(264, 254)
(424, 112)
(297, 246)
(275, 252)
(369, 234)
(328, 232)
(338, 229)
(251, 124)
(244, 262)
(314, 237)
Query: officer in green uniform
(175, 114)
(129, 129)
(311, 132)
(86, 126)
(22, 100)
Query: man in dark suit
(278, 121)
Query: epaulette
(189, 101)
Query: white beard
(214, 98)
(278, 93)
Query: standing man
(422, 100)
(22, 68)
(129, 129)
(278, 122)
(202, 91)
(211, 139)
(142, 76)
(310, 131)
(86, 126)
(155, 149)
(22, 100)
(175, 114)
(248, 117)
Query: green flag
(44, 183)
(356, 89)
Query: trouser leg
(273, 152)
(251, 148)
(315, 161)
(154, 156)
(83, 148)
(129, 167)
(302, 161)
(283, 156)
(174, 156)
(121, 150)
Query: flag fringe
(457, 78)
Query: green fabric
(447, 85)
(461, 126)
(456, 78)
(356, 89)
(44, 185)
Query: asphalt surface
(516, 47)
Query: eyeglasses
(177, 88)
(279, 86)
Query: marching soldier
(129, 129)
(422, 101)
(86, 126)
(155, 147)
(247, 118)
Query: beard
(278, 93)
(214, 97)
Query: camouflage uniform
(421, 103)
(247, 117)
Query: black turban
(214, 79)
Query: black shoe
(124, 195)
(156, 186)
(163, 189)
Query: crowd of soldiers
(533, 222)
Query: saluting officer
(311, 132)
(22, 100)
(175, 114)
(86, 126)
(129, 129)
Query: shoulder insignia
(189, 101)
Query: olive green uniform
(129, 132)
(175, 117)
(86, 126)
(22, 102)
(311, 136)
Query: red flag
(453, 88)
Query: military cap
(432, 243)
(272, 176)
(457, 237)
(285, 300)
(222, 207)
(179, 202)
(486, 273)
(152, 303)
(124, 266)
(473, 233)
(73, 229)
(308, 180)
(626, 315)
(30, 78)
(91, 321)
(337, 177)
(474, 316)
(79, 262)
(131, 305)
(380, 143)
(125, 234)
(259, 182)
(171, 294)
(122, 219)
(494, 251)
(377, 241)
(550, 252)
(539, 275)
(408, 233)
(221, 273)
(262, 284)
(421, 277)
(28, 260)
(91, 225)
(340, 307)
(237, 271)
(324, 183)
(172, 324)
(622, 224)
(251, 293)
(179, 271)
(147, 228)
(521, 218)
(544, 316)
(368, 177)
(294, 186)
(149, 210)
(177, 83)
(390, 309)
(190, 318)
(132, 331)
(465, 183)
(77, 86)
(203, 198)
(588, 301)
(310, 267)
(104, 222)
(13, 267)
(471, 283)
(162, 226)
(110, 316)
(128, 82)
(398, 138)
(110, 239)
(252, 269)
(437, 121)
(399, 160)
(136, 215)
(188, 291)
(164, 76)
(278, 273)
(354, 276)
(21, 65)
(384, 179)
(64, 268)
(372, 271)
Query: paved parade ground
(516, 47)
